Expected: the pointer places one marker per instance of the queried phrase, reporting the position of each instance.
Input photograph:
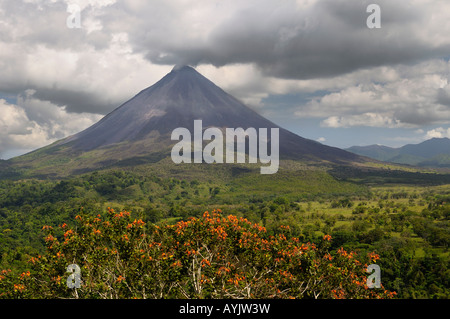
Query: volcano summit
(139, 131)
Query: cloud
(321, 51)
(315, 39)
(439, 132)
(34, 123)
(443, 96)
(406, 98)
(366, 119)
(83, 70)
(114, 54)
(18, 132)
(95, 81)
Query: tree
(214, 256)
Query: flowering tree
(214, 256)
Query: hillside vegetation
(406, 225)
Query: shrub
(214, 256)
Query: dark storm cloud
(443, 97)
(76, 101)
(326, 39)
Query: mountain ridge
(434, 152)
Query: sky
(314, 67)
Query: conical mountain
(179, 98)
(141, 128)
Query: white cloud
(321, 139)
(33, 123)
(366, 119)
(18, 132)
(439, 132)
(85, 70)
(408, 97)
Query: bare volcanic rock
(179, 98)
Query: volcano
(179, 98)
(141, 127)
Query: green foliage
(407, 226)
(209, 257)
(341, 203)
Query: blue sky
(311, 66)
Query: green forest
(405, 224)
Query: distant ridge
(434, 152)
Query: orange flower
(338, 294)
(19, 288)
(328, 257)
(139, 222)
(327, 237)
(50, 238)
(373, 256)
(57, 279)
(69, 232)
(342, 252)
(34, 259)
(25, 274)
(205, 262)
